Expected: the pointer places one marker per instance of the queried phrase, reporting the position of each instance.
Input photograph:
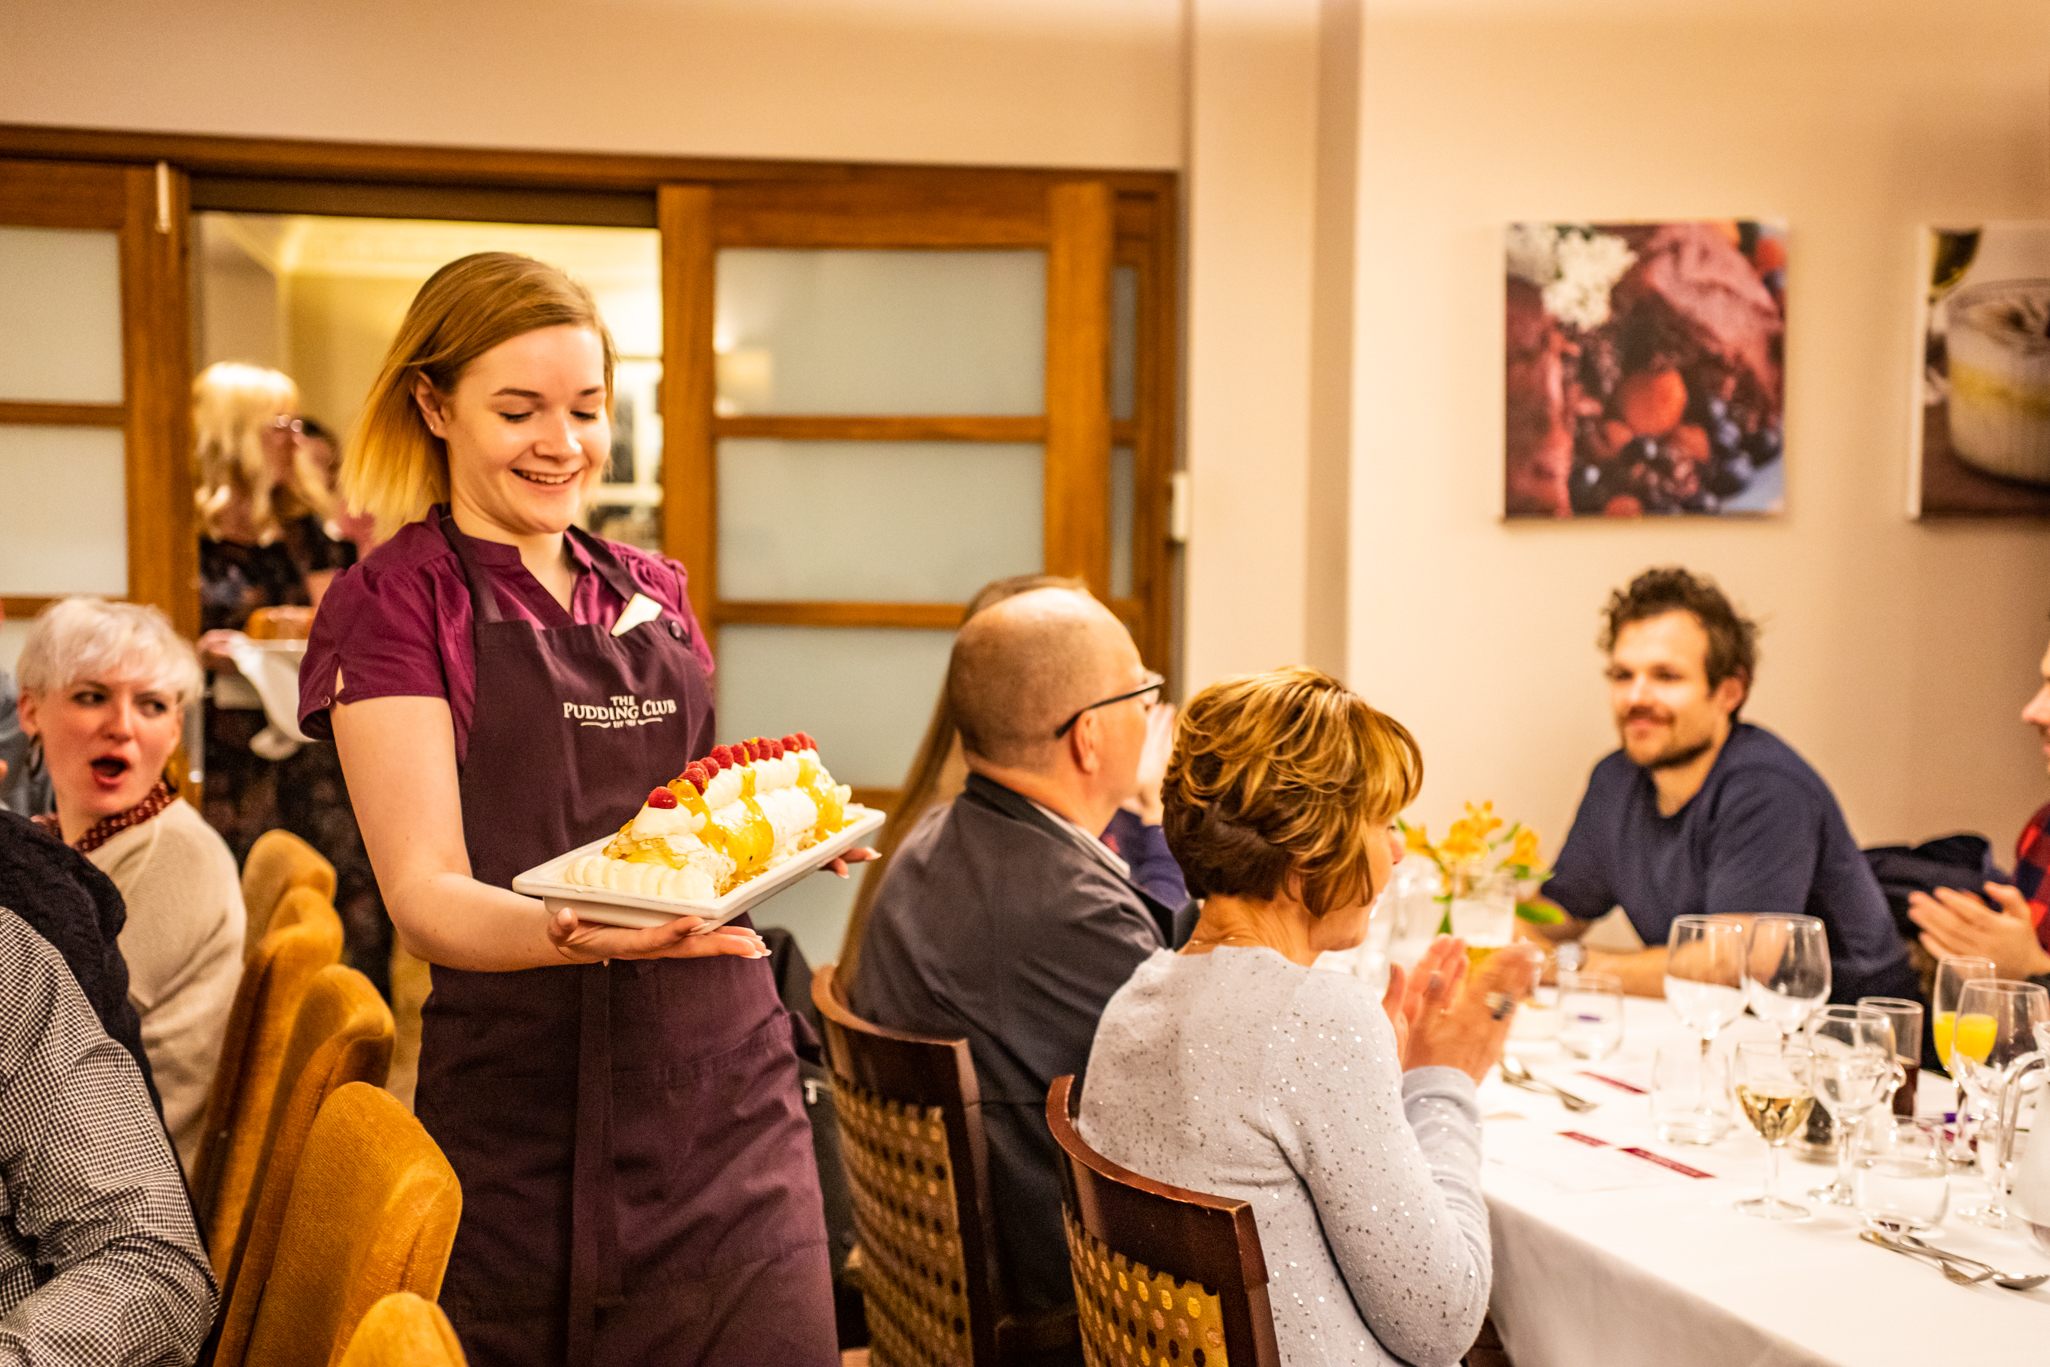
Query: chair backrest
(343, 1035)
(238, 1106)
(278, 862)
(911, 1136)
(373, 1210)
(1175, 1271)
(404, 1330)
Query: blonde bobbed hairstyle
(395, 469)
(76, 639)
(1285, 773)
(233, 407)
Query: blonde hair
(395, 468)
(1280, 773)
(91, 638)
(232, 406)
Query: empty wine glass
(1994, 1030)
(1773, 1087)
(1853, 1071)
(1705, 988)
(1951, 976)
(1786, 970)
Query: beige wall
(1895, 655)
(1043, 82)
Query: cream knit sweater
(183, 943)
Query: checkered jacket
(100, 1265)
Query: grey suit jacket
(995, 923)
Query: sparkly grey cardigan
(1244, 1075)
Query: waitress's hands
(582, 942)
(216, 647)
(1153, 757)
(838, 867)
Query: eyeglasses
(285, 422)
(1154, 684)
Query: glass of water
(1900, 1172)
(1591, 1015)
(1690, 1094)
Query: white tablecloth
(1604, 1258)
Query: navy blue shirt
(1764, 834)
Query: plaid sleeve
(100, 1265)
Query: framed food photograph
(1644, 369)
(1979, 438)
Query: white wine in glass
(1773, 1087)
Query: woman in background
(938, 773)
(104, 687)
(1235, 1068)
(269, 540)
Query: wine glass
(1951, 976)
(1995, 1029)
(1853, 1070)
(1786, 970)
(1774, 1089)
(1705, 988)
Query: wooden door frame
(629, 190)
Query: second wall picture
(1644, 368)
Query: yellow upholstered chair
(403, 1330)
(343, 1035)
(278, 862)
(372, 1210)
(1162, 1273)
(912, 1140)
(306, 938)
(411, 981)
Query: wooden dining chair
(912, 1140)
(343, 1034)
(305, 937)
(1160, 1271)
(404, 1330)
(372, 1210)
(278, 862)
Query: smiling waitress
(621, 1105)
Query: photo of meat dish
(1644, 371)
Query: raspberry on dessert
(694, 774)
(805, 742)
(725, 757)
(662, 799)
(790, 742)
(775, 748)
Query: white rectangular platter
(621, 909)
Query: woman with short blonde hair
(1350, 1126)
(104, 688)
(252, 475)
(621, 1106)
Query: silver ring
(1499, 1004)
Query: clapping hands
(1447, 1016)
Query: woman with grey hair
(104, 688)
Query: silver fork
(1517, 1075)
(1951, 1270)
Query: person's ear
(26, 707)
(1085, 745)
(429, 401)
(1729, 695)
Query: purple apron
(638, 1178)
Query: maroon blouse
(398, 624)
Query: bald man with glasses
(1002, 916)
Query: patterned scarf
(107, 827)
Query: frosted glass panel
(1124, 340)
(876, 521)
(60, 315)
(864, 693)
(1123, 474)
(64, 524)
(860, 331)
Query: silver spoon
(2013, 1281)
(1517, 1075)
(1950, 1269)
